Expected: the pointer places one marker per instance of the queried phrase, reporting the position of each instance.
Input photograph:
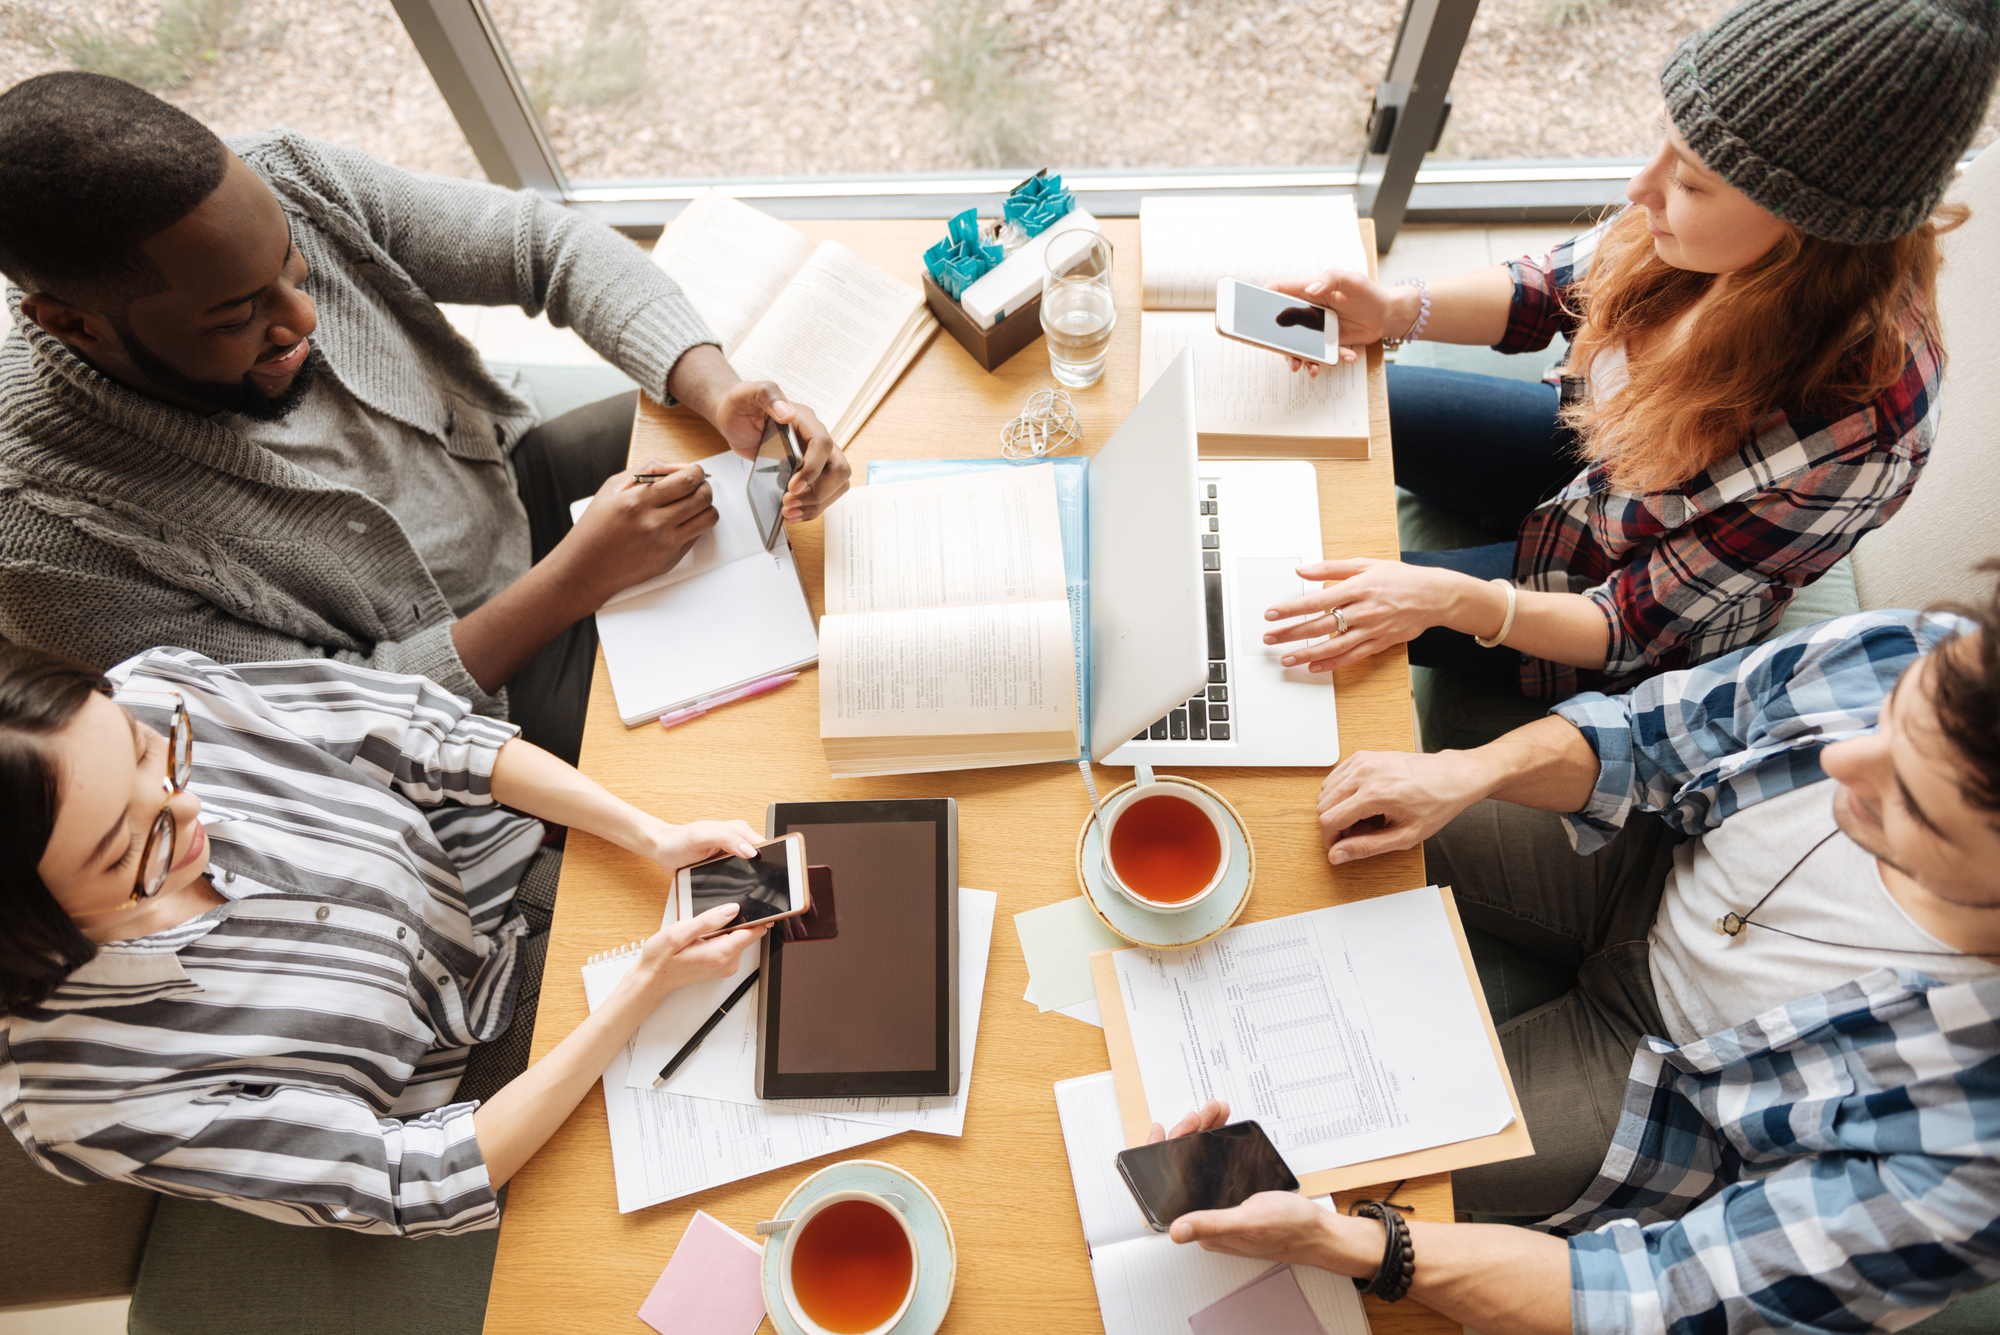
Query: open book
(947, 641)
(1249, 403)
(1146, 1283)
(829, 327)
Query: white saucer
(1167, 931)
(937, 1254)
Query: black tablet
(874, 1010)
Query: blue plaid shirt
(1833, 1163)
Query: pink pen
(700, 707)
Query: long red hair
(1811, 321)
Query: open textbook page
(664, 1146)
(1350, 1033)
(947, 641)
(833, 330)
(1248, 402)
(1188, 245)
(1145, 1282)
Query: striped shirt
(1832, 1164)
(1687, 572)
(293, 1052)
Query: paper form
(665, 1146)
(1350, 1032)
(724, 1067)
(1146, 1284)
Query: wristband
(1399, 1258)
(1416, 330)
(1507, 624)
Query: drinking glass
(1077, 312)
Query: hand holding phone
(1278, 323)
(769, 887)
(1217, 1169)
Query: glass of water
(1077, 313)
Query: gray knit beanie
(1845, 118)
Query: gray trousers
(1515, 876)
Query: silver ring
(1340, 623)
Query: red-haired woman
(1752, 370)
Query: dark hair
(39, 944)
(1965, 692)
(95, 167)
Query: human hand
(1382, 603)
(632, 531)
(1380, 801)
(1368, 311)
(676, 955)
(823, 473)
(1272, 1225)
(677, 846)
(1209, 1116)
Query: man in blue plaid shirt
(1773, 1098)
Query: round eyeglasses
(156, 859)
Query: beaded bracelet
(1423, 313)
(1399, 1259)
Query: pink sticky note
(714, 1285)
(1270, 1304)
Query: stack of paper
(706, 1126)
(1146, 1283)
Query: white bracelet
(1507, 624)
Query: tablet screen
(866, 1012)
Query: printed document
(1351, 1032)
(1146, 1284)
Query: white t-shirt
(1707, 982)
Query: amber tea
(1165, 848)
(851, 1267)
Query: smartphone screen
(762, 885)
(1209, 1170)
(1282, 321)
(770, 473)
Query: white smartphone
(765, 888)
(1266, 319)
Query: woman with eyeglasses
(253, 919)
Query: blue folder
(1073, 512)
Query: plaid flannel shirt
(1833, 1164)
(1696, 570)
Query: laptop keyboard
(1205, 717)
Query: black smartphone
(770, 473)
(1208, 1170)
(822, 920)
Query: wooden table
(568, 1261)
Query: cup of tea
(849, 1265)
(1166, 845)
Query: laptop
(1185, 555)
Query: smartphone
(767, 888)
(1267, 319)
(822, 921)
(770, 473)
(1209, 1170)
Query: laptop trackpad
(1261, 582)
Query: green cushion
(557, 389)
(210, 1270)
(1977, 1313)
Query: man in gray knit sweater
(233, 418)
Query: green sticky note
(1058, 940)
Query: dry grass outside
(675, 88)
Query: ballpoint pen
(708, 1027)
(647, 479)
(700, 707)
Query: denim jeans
(1487, 448)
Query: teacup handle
(1142, 774)
(901, 1204)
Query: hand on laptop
(1380, 801)
(1361, 303)
(1381, 603)
(823, 469)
